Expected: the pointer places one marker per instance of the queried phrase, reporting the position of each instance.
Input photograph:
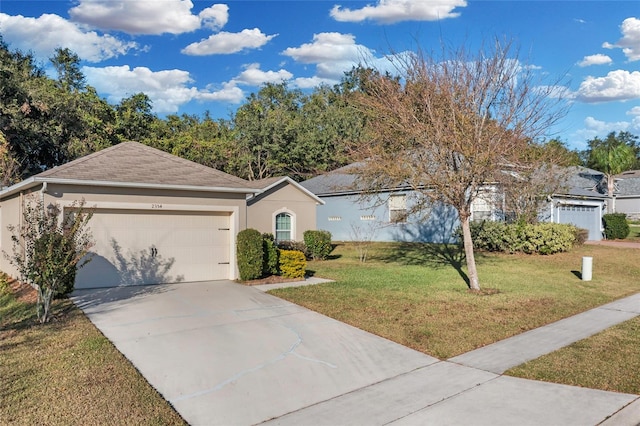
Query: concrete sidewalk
(228, 354)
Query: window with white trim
(484, 205)
(283, 227)
(398, 208)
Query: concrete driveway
(227, 354)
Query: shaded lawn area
(634, 233)
(415, 294)
(66, 372)
(610, 360)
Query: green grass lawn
(609, 361)
(66, 372)
(634, 234)
(416, 295)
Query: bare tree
(542, 172)
(446, 125)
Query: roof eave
(35, 181)
(297, 185)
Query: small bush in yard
(250, 256)
(615, 226)
(318, 244)
(270, 255)
(293, 264)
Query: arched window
(283, 227)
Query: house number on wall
(156, 206)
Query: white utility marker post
(587, 268)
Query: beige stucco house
(282, 207)
(157, 218)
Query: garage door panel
(149, 247)
(586, 217)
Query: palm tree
(612, 158)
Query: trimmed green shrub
(269, 255)
(249, 252)
(293, 245)
(293, 263)
(318, 244)
(615, 226)
(541, 238)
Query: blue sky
(194, 56)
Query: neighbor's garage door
(153, 247)
(586, 217)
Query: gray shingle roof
(135, 163)
(629, 186)
(338, 181)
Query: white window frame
(397, 203)
(292, 215)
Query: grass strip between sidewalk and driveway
(610, 361)
(415, 294)
(66, 372)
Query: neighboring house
(581, 204)
(283, 208)
(628, 194)
(384, 216)
(157, 218)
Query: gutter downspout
(43, 191)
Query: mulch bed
(273, 279)
(23, 292)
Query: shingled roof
(134, 164)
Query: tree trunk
(611, 207)
(472, 272)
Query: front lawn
(610, 360)
(415, 294)
(634, 232)
(66, 372)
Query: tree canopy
(47, 122)
(454, 121)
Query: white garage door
(586, 217)
(154, 247)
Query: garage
(136, 247)
(585, 216)
(157, 218)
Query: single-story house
(283, 208)
(384, 216)
(158, 218)
(627, 196)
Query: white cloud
(27, 34)
(619, 85)
(635, 111)
(225, 43)
(228, 93)
(215, 17)
(597, 59)
(254, 76)
(148, 17)
(311, 82)
(597, 128)
(327, 47)
(167, 89)
(391, 11)
(332, 53)
(630, 41)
